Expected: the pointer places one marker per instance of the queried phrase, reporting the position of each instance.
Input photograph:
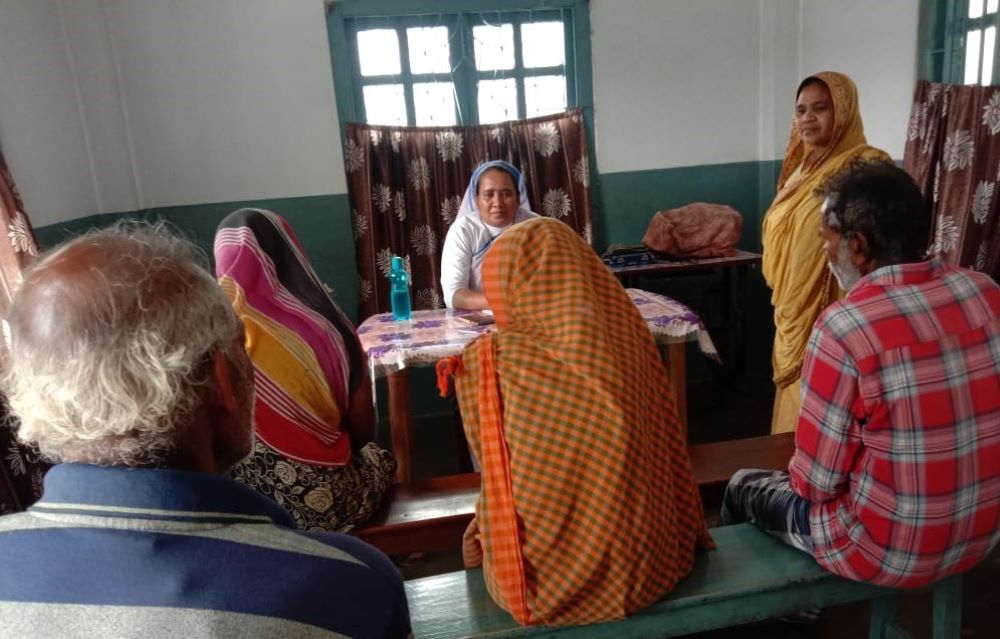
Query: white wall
(876, 44)
(778, 74)
(41, 132)
(675, 82)
(681, 83)
(228, 99)
(112, 105)
(116, 105)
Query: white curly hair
(109, 345)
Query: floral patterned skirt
(320, 497)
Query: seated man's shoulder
(840, 317)
(351, 548)
(337, 573)
(14, 521)
(986, 284)
(321, 553)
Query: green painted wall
(322, 223)
(627, 201)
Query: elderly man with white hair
(125, 365)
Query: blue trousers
(765, 499)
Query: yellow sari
(794, 263)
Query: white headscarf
(461, 267)
(468, 207)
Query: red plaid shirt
(898, 441)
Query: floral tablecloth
(430, 335)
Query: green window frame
(945, 26)
(347, 17)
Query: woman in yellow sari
(826, 135)
(588, 509)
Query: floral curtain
(20, 468)
(406, 183)
(953, 153)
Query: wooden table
(394, 347)
(734, 275)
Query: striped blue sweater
(115, 552)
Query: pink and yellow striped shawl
(306, 355)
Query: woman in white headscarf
(496, 199)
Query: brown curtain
(405, 185)
(20, 468)
(953, 153)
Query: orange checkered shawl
(588, 510)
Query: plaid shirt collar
(903, 274)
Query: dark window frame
(944, 25)
(346, 17)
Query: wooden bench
(748, 577)
(431, 514)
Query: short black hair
(811, 80)
(881, 202)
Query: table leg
(674, 358)
(736, 277)
(400, 414)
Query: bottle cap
(397, 262)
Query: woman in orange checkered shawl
(588, 509)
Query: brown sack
(695, 230)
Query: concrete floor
(718, 411)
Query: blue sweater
(115, 552)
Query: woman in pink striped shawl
(313, 410)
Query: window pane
(494, 47)
(972, 56)
(434, 103)
(428, 49)
(378, 52)
(497, 100)
(384, 104)
(542, 44)
(989, 42)
(544, 94)
(975, 8)
(991, 6)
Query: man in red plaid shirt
(895, 478)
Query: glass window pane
(434, 103)
(544, 94)
(378, 52)
(384, 104)
(542, 44)
(989, 42)
(497, 100)
(991, 6)
(428, 49)
(494, 47)
(975, 8)
(972, 39)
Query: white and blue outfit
(469, 237)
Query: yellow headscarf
(794, 263)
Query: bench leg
(885, 623)
(948, 608)
(947, 613)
